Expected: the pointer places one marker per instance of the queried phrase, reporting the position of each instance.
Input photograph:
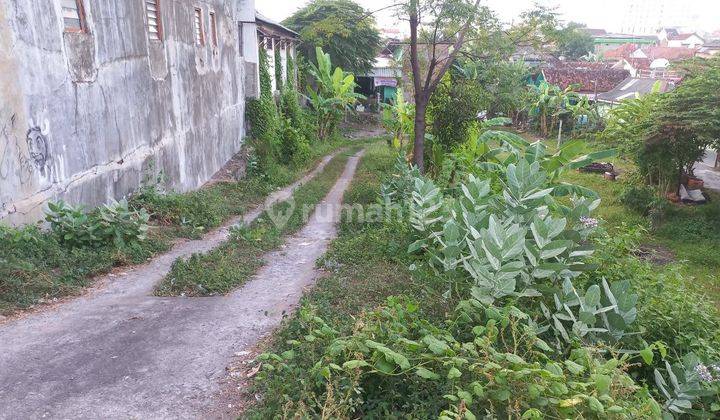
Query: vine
(278, 70)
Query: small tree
(434, 28)
(573, 41)
(687, 121)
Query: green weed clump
(231, 264)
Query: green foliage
(398, 119)
(503, 83)
(334, 96)
(114, 224)
(265, 123)
(39, 266)
(498, 243)
(666, 134)
(342, 28)
(264, 130)
(264, 69)
(296, 130)
(640, 198)
(485, 361)
(278, 70)
(491, 152)
(549, 103)
(195, 211)
(453, 110)
(573, 41)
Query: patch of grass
(36, 267)
(231, 264)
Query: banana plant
(335, 93)
(398, 118)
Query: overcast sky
(613, 15)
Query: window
(213, 29)
(154, 24)
(199, 35)
(73, 16)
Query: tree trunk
(419, 142)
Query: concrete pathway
(706, 171)
(120, 352)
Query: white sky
(636, 16)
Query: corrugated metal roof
(270, 22)
(634, 87)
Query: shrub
(114, 224)
(484, 361)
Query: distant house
(649, 58)
(382, 81)
(670, 37)
(528, 55)
(634, 87)
(709, 49)
(272, 36)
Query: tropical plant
(493, 150)
(550, 103)
(398, 119)
(335, 94)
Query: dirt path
(120, 352)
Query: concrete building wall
(85, 117)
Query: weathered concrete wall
(85, 117)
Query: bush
(114, 224)
(484, 361)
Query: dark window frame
(158, 20)
(213, 29)
(198, 30)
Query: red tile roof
(669, 53)
(585, 76)
(623, 51)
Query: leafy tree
(687, 121)
(439, 29)
(453, 109)
(341, 28)
(573, 42)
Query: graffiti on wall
(31, 157)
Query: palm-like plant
(550, 103)
(335, 93)
(398, 118)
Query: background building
(98, 95)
